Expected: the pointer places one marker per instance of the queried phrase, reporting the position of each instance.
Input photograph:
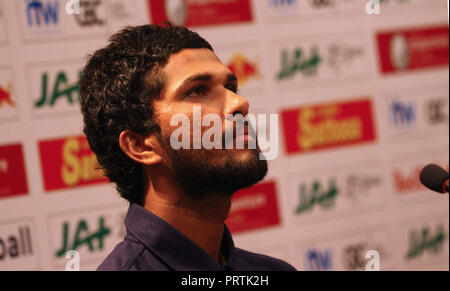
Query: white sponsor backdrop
(334, 204)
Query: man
(179, 199)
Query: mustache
(238, 129)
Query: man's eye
(199, 90)
(233, 88)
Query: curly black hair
(117, 87)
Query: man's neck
(201, 220)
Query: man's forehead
(190, 57)
(191, 62)
(188, 60)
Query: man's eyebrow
(231, 78)
(206, 77)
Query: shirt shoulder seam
(132, 260)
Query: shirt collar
(170, 245)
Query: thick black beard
(199, 177)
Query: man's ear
(139, 148)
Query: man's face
(196, 77)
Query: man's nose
(236, 104)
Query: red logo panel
(327, 126)
(200, 13)
(413, 49)
(13, 181)
(254, 208)
(68, 163)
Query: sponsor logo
(320, 60)
(82, 236)
(13, 181)
(8, 106)
(402, 114)
(5, 96)
(42, 13)
(359, 186)
(254, 208)
(297, 62)
(120, 10)
(43, 19)
(68, 163)
(282, 7)
(88, 15)
(318, 260)
(348, 190)
(92, 234)
(18, 244)
(244, 60)
(17, 250)
(406, 179)
(120, 13)
(283, 4)
(354, 255)
(321, 3)
(312, 128)
(243, 68)
(340, 54)
(417, 115)
(316, 194)
(426, 240)
(418, 48)
(307, 65)
(276, 8)
(55, 89)
(436, 111)
(200, 12)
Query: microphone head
(433, 177)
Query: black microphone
(435, 178)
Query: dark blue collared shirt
(151, 244)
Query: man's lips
(243, 138)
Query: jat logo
(297, 61)
(69, 163)
(317, 194)
(326, 126)
(77, 238)
(426, 240)
(61, 88)
(55, 88)
(82, 236)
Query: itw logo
(42, 12)
(282, 3)
(403, 114)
